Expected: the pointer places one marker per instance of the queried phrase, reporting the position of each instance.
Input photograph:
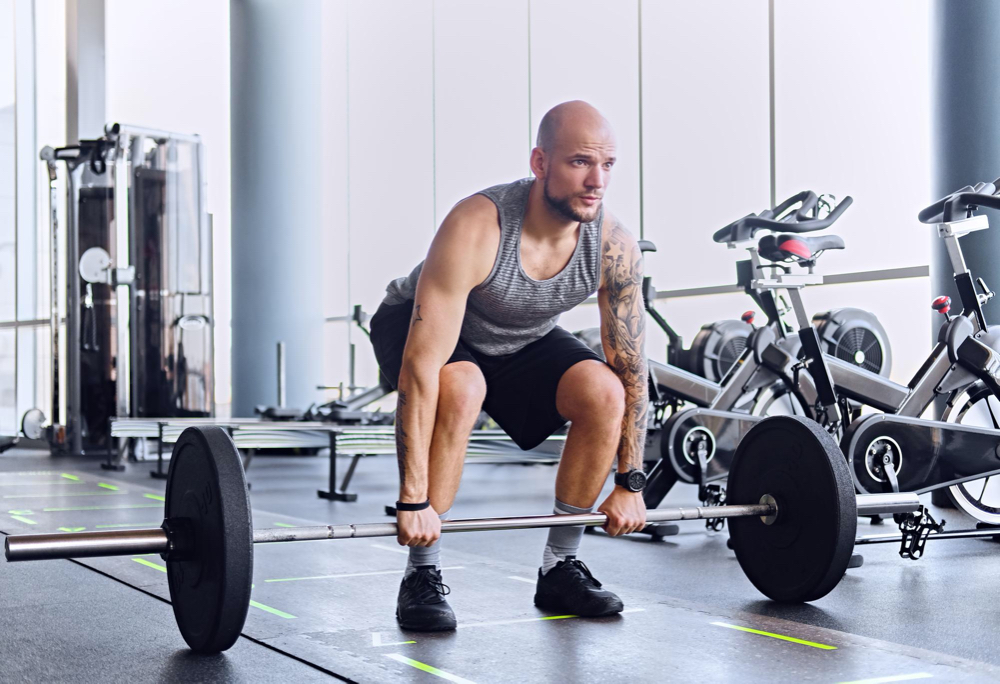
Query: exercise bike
(898, 450)
(690, 442)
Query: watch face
(636, 480)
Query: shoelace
(582, 567)
(426, 585)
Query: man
(474, 327)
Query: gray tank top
(509, 310)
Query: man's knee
(462, 389)
(590, 390)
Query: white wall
(454, 105)
(168, 68)
(856, 121)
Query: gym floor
(324, 610)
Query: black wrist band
(400, 506)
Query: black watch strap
(633, 480)
(400, 506)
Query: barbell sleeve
(28, 547)
(887, 504)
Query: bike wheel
(980, 498)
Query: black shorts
(520, 387)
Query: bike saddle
(786, 247)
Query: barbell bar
(33, 547)
(794, 541)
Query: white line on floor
(354, 574)
(894, 678)
(377, 641)
(496, 623)
(396, 549)
(521, 579)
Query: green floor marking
(283, 525)
(98, 508)
(72, 529)
(20, 512)
(142, 524)
(273, 611)
(107, 486)
(154, 497)
(825, 647)
(155, 566)
(24, 520)
(400, 658)
(49, 496)
(70, 477)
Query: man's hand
(626, 512)
(418, 528)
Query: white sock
(425, 555)
(563, 541)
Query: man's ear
(538, 162)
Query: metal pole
(281, 375)
(48, 156)
(897, 538)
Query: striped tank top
(510, 310)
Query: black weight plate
(207, 500)
(805, 552)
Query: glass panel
(7, 242)
(8, 414)
(34, 366)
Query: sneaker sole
(541, 602)
(413, 627)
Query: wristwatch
(633, 480)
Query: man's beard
(563, 208)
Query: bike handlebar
(960, 202)
(802, 221)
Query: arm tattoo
(624, 324)
(401, 448)
(416, 316)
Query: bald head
(569, 121)
(573, 159)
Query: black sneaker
(569, 588)
(421, 605)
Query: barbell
(793, 538)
